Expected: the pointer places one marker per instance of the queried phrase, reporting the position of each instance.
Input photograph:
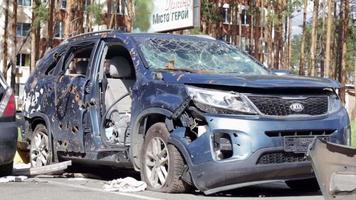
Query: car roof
(137, 37)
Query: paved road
(91, 189)
(86, 188)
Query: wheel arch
(143, 122)
(40, 118)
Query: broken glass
(198, 55)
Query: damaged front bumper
(237, 151)
(337, 174)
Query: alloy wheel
(156, 162)
(39, 149)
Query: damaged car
(184, 111)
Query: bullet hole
(75, 129)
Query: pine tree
(313, 48)
(302, 46)
(327, 66)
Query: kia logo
(296, 107)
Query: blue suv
(185, 111)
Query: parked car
(8, 128)
(183, 110)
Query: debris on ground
(127, 184)
(8, 179)
(26, 170)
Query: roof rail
(91, 34)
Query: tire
(152, 172)
(40, 152)
(6, 170)
(309, 185)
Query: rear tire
(6, 170)
(40, 152)
(309, 185)
(162, 165)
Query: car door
(70, 97)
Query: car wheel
(6, 170)
(40, 153)
(162, 164)
(310, 185)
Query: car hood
(265, 81)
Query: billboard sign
(164, 15)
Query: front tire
(40, 153)
(162, 165)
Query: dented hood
(266, 81)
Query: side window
(78, 61)
(118, 63)
(49, 62)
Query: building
(228, 20)
(112, 14)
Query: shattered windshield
(204, 56)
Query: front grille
(279, 106)
(300, 133)
(281, 157)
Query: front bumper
(8, 139)
(249, 143)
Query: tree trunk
(270, 38)
(343, 47)
(335, 44)
(34, 36)
(302, 46)
(240, 27)
(262, 32)
(14, 41)
(131, 14)
(327, 61)
(289, 55)
(6, 35)
(322, 43)
(69, 19)
(314, 36)
(278, 35)
(353, 115)
(51, 6)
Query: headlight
(216, 101)
(334, 104)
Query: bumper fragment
(337, 174)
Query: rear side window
(49, 62)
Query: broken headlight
(334, 104)
(217, 101)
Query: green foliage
(353, 133)
(95, 11)
(351, 47)
(196, 31)
(143, 11)
(210, 11)
(296, 43)
(41, 13)
(274, 17)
